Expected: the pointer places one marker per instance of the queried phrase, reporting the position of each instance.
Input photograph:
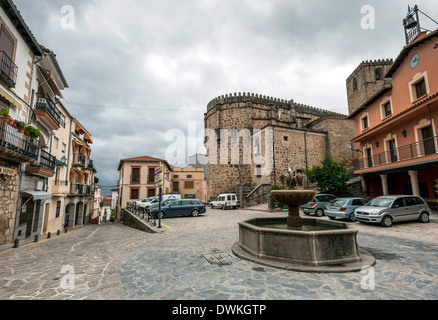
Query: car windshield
(380, 202)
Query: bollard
(16, 243)
(65, 230)
(48, 235)
(58, 232)
(36, 238)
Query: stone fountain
(301, 244)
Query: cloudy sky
(139, 68)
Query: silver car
(388, 209)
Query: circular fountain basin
(319, 246)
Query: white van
(226, 200)
(163, 197)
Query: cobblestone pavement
(116, 262)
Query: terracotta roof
(405, 51)
(144, 158)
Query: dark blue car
(183, 207)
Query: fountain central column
(294, 220)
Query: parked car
(163, 197)
(227, 200)
(163, 203)
(317, 204)
(144, 202)
(344, 208)
(388, 209)
(183, 207)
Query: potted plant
(21, 125)
(35, 133)
(5, 114)
(27, 130)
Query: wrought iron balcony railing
(8, 69)
(46, 104)
(17, 142)
(417, 150)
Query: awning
(10, 99)
(51, 81)
(38, 195)
(61, 163)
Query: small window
(285, 138)
(64, 146)
(135, 193)
(58, 208)
(189, 185)
(420, 88)
(189, 176)
(365, 123)
(379, 74)
(398, 203)
(258, 172)
(175, 176)
(387, 111)
(354, 84)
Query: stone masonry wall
(8, 203)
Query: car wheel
(195, 213)
(386, 221)
(319, 212)
(424, 217)
(211, 206)
(333, 218)
(352, 217)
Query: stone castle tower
(301, 137)
(365, 81)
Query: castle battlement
(266, 100)
(370, 63)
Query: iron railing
(8, 69)
(15, 141)
(142, 213)
(411, 151)
(46, 104)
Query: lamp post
(159, 206)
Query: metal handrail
(411, 151)
(11, 139)
(46, 104)
(8, 69)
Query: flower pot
(27, 133)
(20, 130)
(6, 118)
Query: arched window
(378, 73)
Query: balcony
(79, 160)
(16, 146)
(8, 70)
(45, 166)
(49, 113)
(80, 189)
(422, 151)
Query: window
(135, 175)
(354, 84)
(175, 176)
(285, 138)
(369, 157)
(398, 203)
(55, 143)
(135, 192)
(58, 208)
(258, 171)
(420, 88)
(64, 146)
(189, 185)
(365, 123)
(378, 74)
(151, 175)
(175, 186)
(189, 176)
(387, 111)
(257, 147)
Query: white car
(163, 197)
(143, 203)
(227, 200)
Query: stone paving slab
(116, 262)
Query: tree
(331, 177)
